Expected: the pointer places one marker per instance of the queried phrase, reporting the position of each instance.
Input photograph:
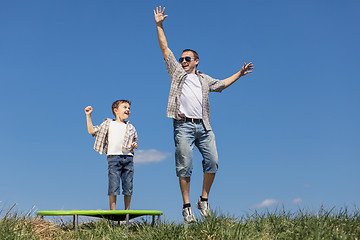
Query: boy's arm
(244, 70)
(159, 19)
(134, 145)
(90, 126)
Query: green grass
(280, 224)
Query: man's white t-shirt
(116, 135)
(191, 97)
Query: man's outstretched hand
(246, 68)
(159, 15)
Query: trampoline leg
(153, 220)
(75, 222)
(127, 220)
(158, 221)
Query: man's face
(122, 111)
(189, 66)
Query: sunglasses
(187, 59)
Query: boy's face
(122, 112)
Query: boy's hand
(159, 15)
(88, 110)
(134, 145)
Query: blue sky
(288, 134)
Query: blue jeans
(120, 167)
(188, 134)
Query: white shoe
(204, 208)
(188, 215)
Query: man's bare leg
(185, 188)
(207, 183)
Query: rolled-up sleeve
(216, 85)
(98, 128)
(96, 131)
(174, 68)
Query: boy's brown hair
(117, 103)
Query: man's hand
(88, 110)
(159, 15)
(246, 69)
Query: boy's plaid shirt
(101, 134)
(178, 75)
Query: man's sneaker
(204, 208)
(188, 215)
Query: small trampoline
(115, 215)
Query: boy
(117, 138)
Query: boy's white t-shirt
(116, 135)
(191, 97)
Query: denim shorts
(188, 134)
(120, 167)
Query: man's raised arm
(159, 19)
(246, 68)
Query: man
(188, 105)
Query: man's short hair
(196, 55)
(117, 103)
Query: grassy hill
(280, 224)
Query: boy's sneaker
(204, 208)
(188, 215)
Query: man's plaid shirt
(178, 75)
(101, 134)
